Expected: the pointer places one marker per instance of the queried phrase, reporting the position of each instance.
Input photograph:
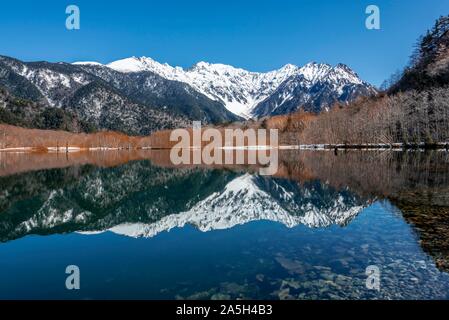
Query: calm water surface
(138, 227)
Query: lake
(138, 227)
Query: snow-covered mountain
(255, 94)
(240, 90)
(314, 88)
(134, 103)
(140, 95)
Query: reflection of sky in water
(257, 260)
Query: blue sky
(256, 35)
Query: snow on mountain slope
(314, 88)
(88, 63)
(241, 91)
(54, 81)
(238, 89)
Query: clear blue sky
(256, 35)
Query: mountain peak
(133, 64)
(314, 71)
(288, 67)
(345, 68)
(201, 64)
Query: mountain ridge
(244, 92)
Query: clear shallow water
(143, 231)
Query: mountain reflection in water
(307, 232)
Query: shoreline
(367, 146)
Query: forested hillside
(26, 113)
